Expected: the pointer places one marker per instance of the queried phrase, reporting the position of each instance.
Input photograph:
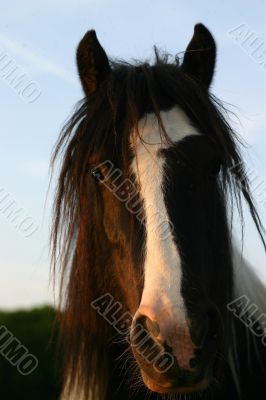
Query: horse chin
(167, 387)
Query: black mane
(113, 112)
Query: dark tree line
(35, 330)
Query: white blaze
(162, 266)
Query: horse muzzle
(169, 360)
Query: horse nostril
(193, 362)
(206, 332)
(215, 326)
(152, 327)
(206, 329)
(145, 324)
(144, 334)
(201, 331)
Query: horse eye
(97, 174)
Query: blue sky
(42, 37)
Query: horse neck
(247, 356)
(247, 281)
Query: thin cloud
(39, 62)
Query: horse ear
(200, 55)
(92, 61)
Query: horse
(156, 300)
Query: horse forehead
(149, 138)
